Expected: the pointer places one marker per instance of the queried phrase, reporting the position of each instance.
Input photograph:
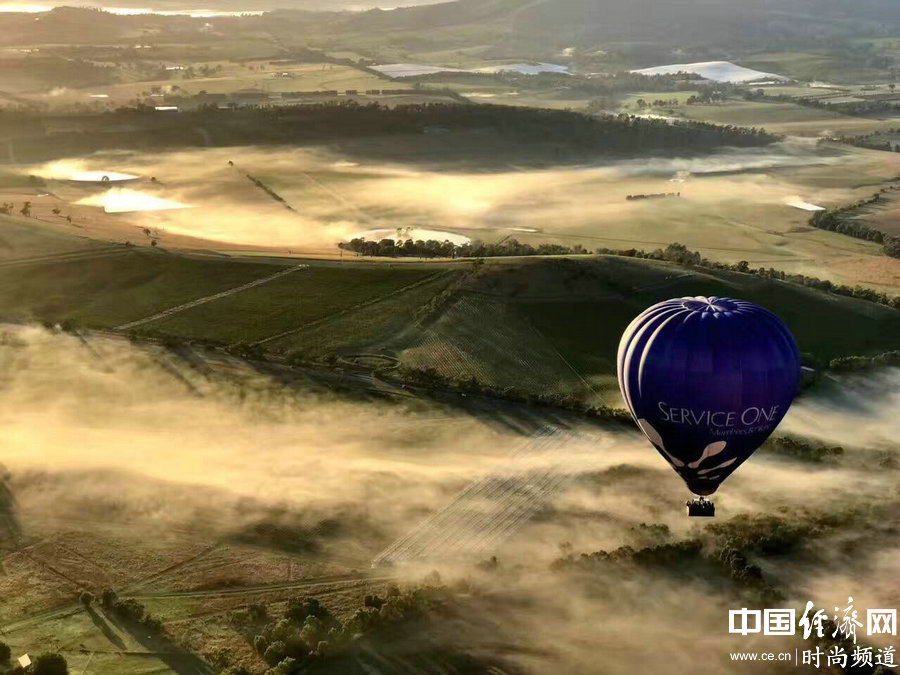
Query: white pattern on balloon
(710, 450)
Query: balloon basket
(700, 508)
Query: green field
(812, 65)
(368, 328)
(784, 118)
(567, 312)
(573, 312)
(289, 303)
(105, 291)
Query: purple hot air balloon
(707, 380)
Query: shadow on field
(176, 659)
(104, 627)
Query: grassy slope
(367, 328)
(106, 291)
(21, 239)
(578, 307)
(586, 326)
(289, 302)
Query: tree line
(432, 248)
(875, 140)
(872, 106)
(843, 221)
(847, 364)
(575, 133)
(677, 253)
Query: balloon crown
(712, 304)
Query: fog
(100, 430)
(329, 196)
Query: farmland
(491, 324)
(308, 362)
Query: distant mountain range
(643, 32)
(670, 21)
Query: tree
(285, 667)
(108, 598)
(50, 664)
(260, 644)
(5, 653)
(275, 652)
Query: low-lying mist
(102, 431)
(310, 198)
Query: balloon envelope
(707, 380)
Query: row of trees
(887, 140)
(869, 106)
(843, 220)
(446, 249)
(802, 449)
(680, 254)
(847, 364)
(677, 253)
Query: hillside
(700, 23)
(642, 29)
(540, 325)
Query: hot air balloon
(707, 381)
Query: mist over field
(309, 322)
(330, 198)
(137, 437)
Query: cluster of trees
(846, 364)
(429, 377)
(661, 555)
(842, 220)
(446, 249)
(688, 555)
(876, 140)
(656, 103)
(127, 609)
(652, 195)
(802, 449)
(764, 534)
(308, 638)
(7, 208)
